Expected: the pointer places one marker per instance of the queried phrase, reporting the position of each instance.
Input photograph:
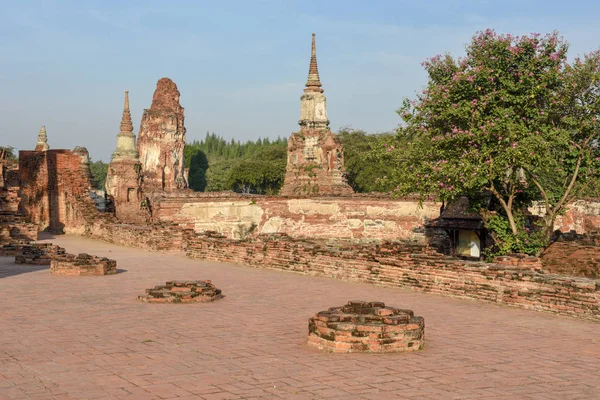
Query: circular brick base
(362, 326)
(182, 292)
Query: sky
(240, 65)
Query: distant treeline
(217, 164)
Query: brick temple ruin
(316, 226)
(161, 140)
(124, 176)
(315, 163)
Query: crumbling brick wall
(413, 266)
(575, 255)
(581, 216)
(149, 237)
(12, 224)
(356, 218)
(55, 187)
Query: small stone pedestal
(82, 265)
(182, 292)
(369, 327)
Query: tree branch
(542, 191)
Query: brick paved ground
(88, 337)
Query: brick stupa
(123, 180)
(161, 140)
(315, 164)
(42, 141)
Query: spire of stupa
(313, 83)
(126, 125)
(126, 139)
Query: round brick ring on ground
(362, 326)
(182, 292)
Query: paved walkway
(89, 338)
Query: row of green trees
(216, 164)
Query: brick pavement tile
(92, 335)
(166, 390)
(221, 396)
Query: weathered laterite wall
(155, 237)
(581, 216)
(13, 226)
(361, 218)
(413, 266)
(578, 255)
(55, 187)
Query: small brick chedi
(182, 292)
(82, 265)
(42, 143)
(161, 140)
(315, 164)
(124, 176)
(362, 326)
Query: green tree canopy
(262, 174)
(364, 175)
(99, 169)
(8, 152)
(216, 164)
(512, 119)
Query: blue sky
(240, 65)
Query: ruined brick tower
(123, 180)
(315, 164)
(161, 140)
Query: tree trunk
(511, 221)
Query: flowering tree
(512, 118)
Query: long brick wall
(359, 218)
(409, 265)
(148, 237)
(55, 187)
